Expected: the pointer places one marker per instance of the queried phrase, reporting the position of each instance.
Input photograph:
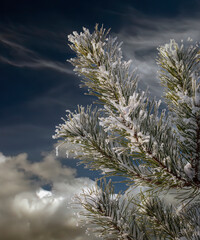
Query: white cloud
(49, 169)
(2, 158)
(27, 211)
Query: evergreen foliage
(130, 136)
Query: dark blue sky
(38, 85)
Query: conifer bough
(131, 137)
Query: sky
(37, 86)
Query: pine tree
(129, 135)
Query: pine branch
(108, 77)
(165, 219)
(111, 216)
(191, 215)
(180, 76)
(133, 138)
(83, 128)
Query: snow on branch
(130, 136)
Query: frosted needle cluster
(128, 135)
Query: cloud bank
(27, 210)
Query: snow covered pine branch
(131, 137)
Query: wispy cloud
(19, 55)
(31, 62)
(143, 35)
